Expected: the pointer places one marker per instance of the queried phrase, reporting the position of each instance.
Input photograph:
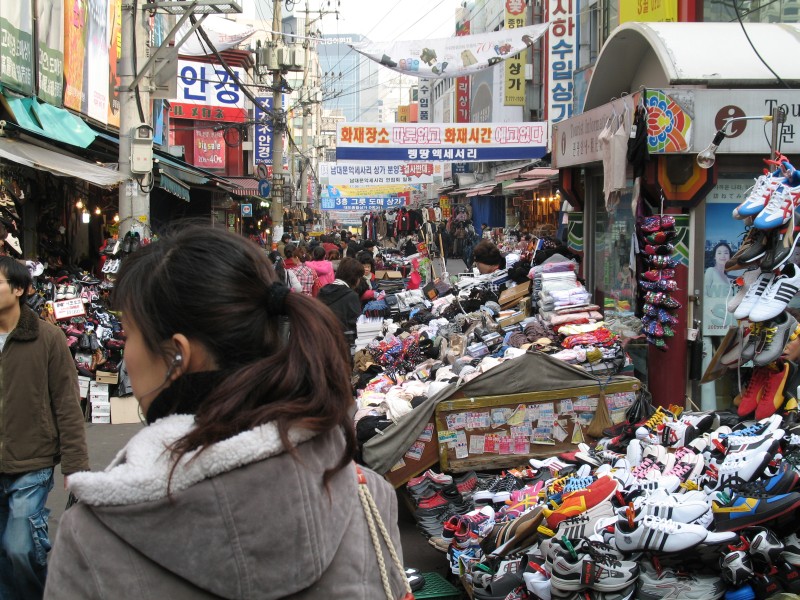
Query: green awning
(48, 121)
(174, 186)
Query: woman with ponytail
(243, 483)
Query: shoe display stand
(503, 431)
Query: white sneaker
(759, 195)
(783, 201)
(592, 570)
(737, 468)
(634, 453)
(683, 508)
(666, 584)
(748, 279)
(753, 295)
(689, 467)
(777, 295)
(657, 534)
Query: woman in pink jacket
(323, 268)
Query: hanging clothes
(638, 154)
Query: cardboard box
(394, 275)
(83, 385)
(98, 392)
(107, 377)
(514, 294)
(101, 419)
(125, 410)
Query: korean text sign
(361, 203)
(561, 59)
(207, 92)
(515, 66)
(440, 141)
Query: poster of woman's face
(722, 240)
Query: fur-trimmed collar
(140, 472)
(27, 328)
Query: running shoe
(738, 512)
(667, 584)
(589, 568)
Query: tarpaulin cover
(531, 372)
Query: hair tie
(276, 298)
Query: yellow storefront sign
(653, 11)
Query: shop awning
(531, 184)
(56, 163)
(539, 173)
(481, 191)
(48, 121)
(177, 178)
(243, 186)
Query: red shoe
(772, 398)
(579, 502)
(753, 391)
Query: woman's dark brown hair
(214, 287)
(350, 271)
(485, 252)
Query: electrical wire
(749, 41)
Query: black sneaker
(788, 576)
(765, 586)
(781, 247)
(753, 247)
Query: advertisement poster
(723, 237)
(440, 141)
(114, 51)
(379, 173)
(96, 63)
(16, 45)
(75, 31)
(50, 50)
(453, 56)
(515, 69)
(209, 149)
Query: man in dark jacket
(41, 424)
(341, 298)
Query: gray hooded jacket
(245, 520)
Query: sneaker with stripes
(777, 295)
(656, 534)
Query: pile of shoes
(676, 506)
(658, 282)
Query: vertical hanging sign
(114, 53)
(50, 50)
(515, 71)
(16, 45)
(424, 101)
(75, 30)
(561, 61)
(462, 83)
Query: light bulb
(116, 218)
(97, 211)
(706, 159)
(85, 217)
(79, 204)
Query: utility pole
(305, 161)
(134, 202)
(278, 126)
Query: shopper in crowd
(285, 239)
(305, 274)
(285, 275)
(487, 257)
(335, 257)
(354, 246)
(367, 286)
(486, 232)
(243, 483)
(41, 424)
(341, 295)
(415, 279)
(322, 267)
(329, 243)
(371, 246)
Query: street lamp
(707, 157)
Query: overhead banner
(379, 174)
(367, 190)
(50, 50)
(16, 45)
(223, 33)
(453, 56)
(515, 66)
(440, 141)
(361, 203)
